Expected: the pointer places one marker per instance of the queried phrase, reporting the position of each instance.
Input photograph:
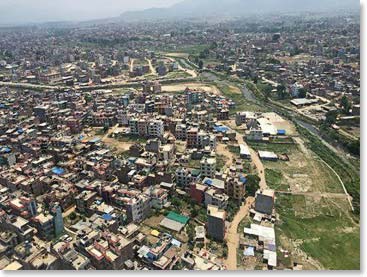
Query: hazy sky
(25, 11)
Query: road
(193, 73)
(132, 65)
(342, 183)
(232, 236)
(110, 131)
(151, 67)
(256, 160)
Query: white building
(208, 167)
(156, 128)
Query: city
(219, 144)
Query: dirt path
(110, 131)
(303, 148)
(223, 150)
(233, 238)
(256, 160)
(151, 67)
(132, 65)
(193, 73)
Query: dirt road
(256, 160)
(132, 65)
(193, 73)
(233, 238)
(151, 67)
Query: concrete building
(216, 222)
(208, 167)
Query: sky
(34, 11)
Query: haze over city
(38, 11)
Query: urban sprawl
(165, 146)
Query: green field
(275, 181)
(325, 230)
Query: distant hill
(225, 8)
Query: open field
(318, 232)
(193, 86)
(304, 172)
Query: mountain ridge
(236, 8)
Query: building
(214, 198)
(208, 167)
(264, 201)
(57, 219)
(216, 222)
(185, 177)
(137, 208)
(244, 152)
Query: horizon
(23, 12)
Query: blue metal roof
(58, 170)
(107, 217)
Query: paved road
(232, 236)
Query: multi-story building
(156, 128)
(192, 137)
(180, 132)
(212, 197)
(185, 177)
(235, 188)
(216, 222)
(138, 208)
(208, 167)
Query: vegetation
(252, 184)
(274, 180)
(232, 209)
(346, 171)
(330, 236)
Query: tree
(194, 212)
(88, 98)
(281, 90)
(267, 91)
(345, 104)
(252, 184)
(201, 64)
(73, 216)
(302, 93)
(331, 117)
(354, 147)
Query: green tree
(194, 212)
(267, 91)
(201, 64)
(331, 117)
(345, 104)
(88, 98)
(73, 216)
(302, 93)
(281, 90)
(252, 184)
